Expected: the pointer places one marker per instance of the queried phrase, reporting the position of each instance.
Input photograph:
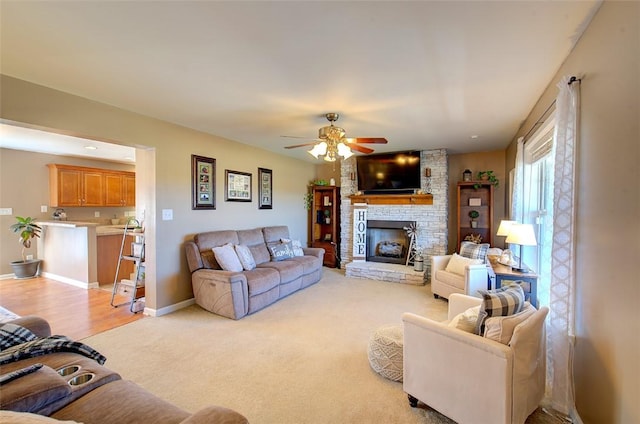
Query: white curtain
(517, 202)
(560, 325)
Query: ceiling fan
(332, 143)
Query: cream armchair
(469, 378)
(444, 283)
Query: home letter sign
(359, 232)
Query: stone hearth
(394, 273)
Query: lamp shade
(505, 227)
(522, 234)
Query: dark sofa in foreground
(62, 390)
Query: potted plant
(474, 215)
(28, 229)
(487, 176)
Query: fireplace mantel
(392, 199)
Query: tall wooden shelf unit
(483, 192)
(324, 222)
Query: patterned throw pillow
(502, 302)
(227, 258)
(12, 335)
(472, 250)
(297, 246)
(245, 256)
(281, 251)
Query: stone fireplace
(387, 241)
(431, 223)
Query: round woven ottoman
(385, 351)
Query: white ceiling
(424, 75)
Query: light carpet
(300, 360)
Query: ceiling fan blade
(299, 145)
(293, 136)
(372, 140)
(360, 149)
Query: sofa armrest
(194, 260)
(216, 414)
(37, 325)
(439, 263)
(221, 292)
(314, 251)
(458, 303)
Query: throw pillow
(281, 251)
(12, 335)
(501, 329)
(502, 302)
(227, 258)
(473, 250)
(245, 256)
(466, 321)
(297, 246)
(458, 263)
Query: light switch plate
(167, 214)
(43, 208)
(6, 211)
(96, 214)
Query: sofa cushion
(33, 392)
(309, 263)
(281, 251)
(501, 329)
(473, 250)
(505, 301)
(29, 418)
(451, 279)
(289, 270)
(466, 321)
(245, 256)
(458, 263)
(254, 239)
(207, 241)
(260, 280)
(275, 233)
(227, 258)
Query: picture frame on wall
(265, 188)
(237, 186)
(203, 182)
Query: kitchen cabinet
(82, 186)
(325, 222)
(120, 189)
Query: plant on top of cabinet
(487, 176)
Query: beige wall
(607, 351)
(24, 187)
(169, 186)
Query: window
(538, 204)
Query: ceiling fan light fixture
(319, 149)
(344, 150)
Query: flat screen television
(389, 173)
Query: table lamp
(506, 258)
(522, 235)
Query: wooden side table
(503, 275)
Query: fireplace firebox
(387, 241)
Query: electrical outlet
(29, 257)
(96, 214)
(6, 211)
(43, 208)
(167, 214)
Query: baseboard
(71, 281)
(168, 309)
(7, 276)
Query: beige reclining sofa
(234, 294)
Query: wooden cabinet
(108, 247)
(120, 189)
(324, 222)
(475, 196)
(81, 186)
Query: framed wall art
(237, 186)
(203, 182)
(265, 188)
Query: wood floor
(71, 311)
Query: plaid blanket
(47, 345)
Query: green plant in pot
(487, 176)
(28, 230)
(474, 216)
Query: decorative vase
(474, 224)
